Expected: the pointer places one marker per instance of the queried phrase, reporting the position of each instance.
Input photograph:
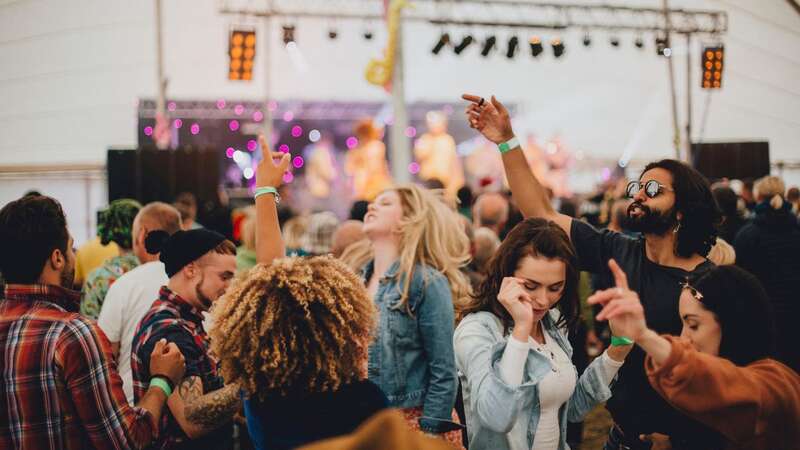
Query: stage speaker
(734, 160)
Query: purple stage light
(233, 125)
(352, 142)
(298, 162)
(252, 145)
(148, 131)
(297, 130)
(195, 129)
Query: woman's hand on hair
(517, 302)
(621, 306)
(269, 173)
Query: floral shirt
(97, 284)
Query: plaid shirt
(60, 388)
(172, 318)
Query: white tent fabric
(72, 72)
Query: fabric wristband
(617, 341)
(508, 145)
(268, 190)
(162, 384)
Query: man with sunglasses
(675, 212)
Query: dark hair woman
(512, 350)
(719, 371)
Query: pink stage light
(233, 125)
(272, 105)
(195, 129)
(298, 162)
(288, 116)
(258, 116)
(413, 168)
(221, 104)
(177, 123)
(238, 110)
(148, 131)
(297, 130)
(283, 148)
(229, 152)
(411, 132)
(171, 106)
(288, 177)
(252, 145)
(352, 142)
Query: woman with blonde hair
(418, 249)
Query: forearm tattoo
(211, 410)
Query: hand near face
(516, 300)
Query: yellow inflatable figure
(366, 163)
(435, 152)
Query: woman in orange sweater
(719, 371)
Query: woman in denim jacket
(512, 353)
(418, 246)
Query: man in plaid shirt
(61, 389)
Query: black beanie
(182, 247)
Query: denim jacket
(492, 406)
(411, 358)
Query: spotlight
(288, 34)
(587, 40)
(513, 44)
(490, 43)
(242, 51)
(368, 35)
(614, 41)
(712, 64)
(558, 47)
(333, 34)
(536, 46)
(639, 42)
(662, 47)
(463, 44)
(443, 40)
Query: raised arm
(269, 243)
(492, 120)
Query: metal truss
(486, 13)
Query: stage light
(463, 44)
(513, 44)
(488, 45)
(614, 41)
(587, 40)
(444, 39)
(368, 35)
(536, 46)
(242, 52)
(662, 47)
(711, 65)
(333, 34)
(288, 34)
(639, 42)
(558, 47)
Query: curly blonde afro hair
(300, 325)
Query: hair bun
(155, 241)
(776, 202)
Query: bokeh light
(352, 142)
(233, 125)
(195, 129)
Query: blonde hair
(722, 253)
(431, 234)
(294, 231)
(357, 254)
(771, 188)
(299, 325)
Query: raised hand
(489, 117)
(621, 306)
(269, 173)
(518, 303)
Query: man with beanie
(200, 265)
(61, 389)
(129, 298)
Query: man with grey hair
(129, 298)
(490, 211)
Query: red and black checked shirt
(172, 318)
(60, 387)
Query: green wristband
(268, 190)
(617, 341)
(161, 384)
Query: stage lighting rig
(587, 40)
(463, 44)
(444, 39)
(614, 41)
(242, 52)
(333, 34)
(558, 47)
(288, 34)
(488, 45)
(513, 44)
(712, 64)
(662, 47)
(536, 46)
(639, 42)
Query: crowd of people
(427, 319)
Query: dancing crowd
(419, 323)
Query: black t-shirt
(634, 405)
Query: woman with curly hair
(418, 249)
(294, 336)
(114, 225)
(512, 352)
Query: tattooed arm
(198, 413)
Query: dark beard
(651, 222)
(67, 278)
(201, 297)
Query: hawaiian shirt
(97, 283)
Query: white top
(127, 301)
(555, 388)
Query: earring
(675, 231)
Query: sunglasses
(652, 188)
(692, 290)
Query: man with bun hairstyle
(200, 265)
(131, 295)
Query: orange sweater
(755, 407)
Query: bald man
(490, 211)
(349, 232)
